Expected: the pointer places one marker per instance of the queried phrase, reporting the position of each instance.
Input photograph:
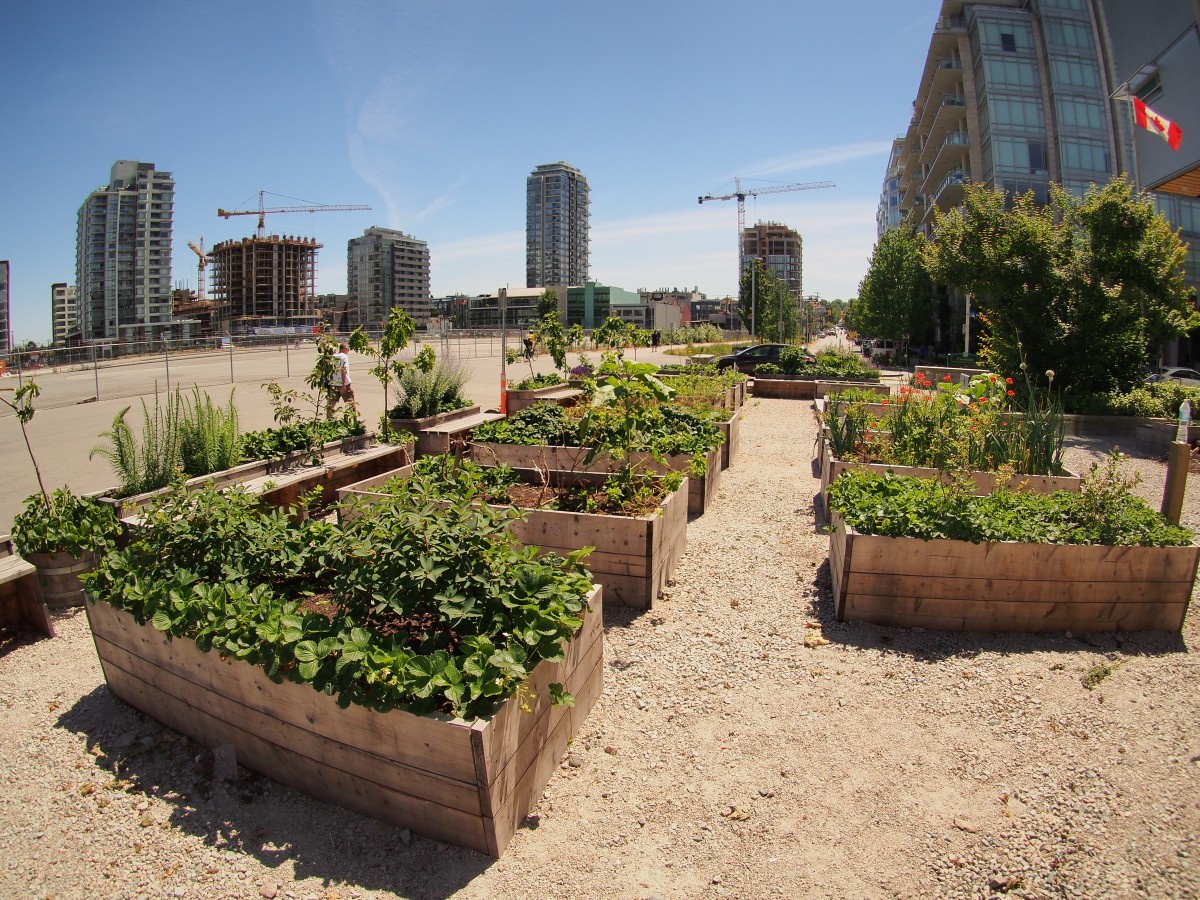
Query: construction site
(266, 282)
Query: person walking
(340, 387)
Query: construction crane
(741, 194)
(199, 251)
(262, 211)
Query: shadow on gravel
(12, 639)
(250, 815)
(1102, 444)
(934, 646)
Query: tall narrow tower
(123, 255)
(556, 226)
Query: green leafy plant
(533, 382)
(436, 611)
(208, 435)
(1105, 512)
(153, 460)
(64, 523)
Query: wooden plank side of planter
(533, 782)
(955, 585)
(216, 708)
(509, 744)
(785, 388)
(296, 769)
(424, 741)
(510, 756)
(995, 615)
(960, 559)
(732, 430)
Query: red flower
(983, 399)
(885, 401)
(945, 378)
(993, 379)
(1008, 381)
(1012, 393)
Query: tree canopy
(774, 304)
(895, 299)
(1084, 287)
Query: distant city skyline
(434, 116)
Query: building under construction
(266, 282)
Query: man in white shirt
(340, 386)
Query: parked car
(1186, 377)
(885, 351)
(747, 359)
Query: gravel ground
(746, 745)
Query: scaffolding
(266, 282)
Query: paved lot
(69, 420)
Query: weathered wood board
(991, 586)
(466, 783)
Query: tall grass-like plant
(150, 462)
(428, 386)
(208, 435)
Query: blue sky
(433, 112)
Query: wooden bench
(21, 602)
(562, 394)
(444, 436)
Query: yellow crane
(740, 195)
(262, 211)
(199, 251)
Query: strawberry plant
(402, 606)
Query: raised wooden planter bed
(634, 558)
(959, 586)
(795, 388)
(21, 602)
(465, 783)
(562, 394)
(985, 482)
(701, 491)
(445, 431)
(281, 482)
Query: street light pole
(502, 301)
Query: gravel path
(746, 745)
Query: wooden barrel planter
(468, 783)
(58, 574)
(953, 585)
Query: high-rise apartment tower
(386, 269)
(5, 320)
(556, 226)
(123, 255)
(63, 312)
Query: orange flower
(993, 379)
(885, 401)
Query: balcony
(950, 25)
(950, 191)
(952, 154)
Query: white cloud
(824, 156)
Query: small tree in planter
(397, 334)
(60, 534)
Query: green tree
(895, 298)
(1084, 287)
(765, 300)
(396, 335)
(547, 305)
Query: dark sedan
(748, 359)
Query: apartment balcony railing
(949, 62)
(950, 24)
(951, 183)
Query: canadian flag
(1153, 122)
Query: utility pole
(502, 302)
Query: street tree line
(1089, 288)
